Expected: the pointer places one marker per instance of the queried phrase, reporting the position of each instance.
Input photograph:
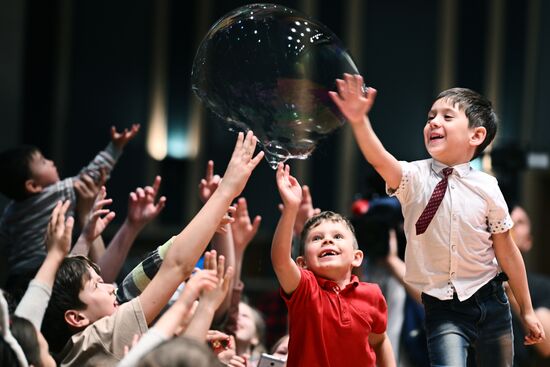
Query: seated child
(33, 183)
(84, 324)
(334, 319)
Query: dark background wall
(71, 69)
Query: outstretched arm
(285, 268)
(175, 318)
(143, 207)
(188, 245)
(120, 140)
(211, 298)
(511, 262)
(355, 105)
(89, 242)
(58, 241)
(244, 229)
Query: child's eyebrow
(442, 110)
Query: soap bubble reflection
(268, 68)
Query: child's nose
(109, 287)
(435, 122)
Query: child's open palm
(209, 183)
(142, 207)
(244, 229)
(121, 139)
(241, 165)
(289, 188)
(99, 218)
(215, 296)
(60, 229)
(353, 102)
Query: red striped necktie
(436, 198)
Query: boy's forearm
(285, 268)
(115, 254)
(190, 243)
(97, 249)
(375, 153)
(200, 323)
(81, 247)
(173, 318)
(282, 240)
(106, 159)
(47, 271)
(223, 244)
(510, 260)
(517, 279)
(34, 302)
(384, 354)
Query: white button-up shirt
(456, 251)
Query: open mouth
(434, 136)
(327, 253)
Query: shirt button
(453, 275)
(453, 247)
(452, 186)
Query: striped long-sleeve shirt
(24, 223)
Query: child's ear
(478, 136)
(301, 262)
(76, 319)
(357, 258)
(32, 187)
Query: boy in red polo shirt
(334, 319)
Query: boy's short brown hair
(73, 273)
(478, 110)
(321, 217)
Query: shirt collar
(329, 284)
(461, 169)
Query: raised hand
(141, 204)
(241, 165)
(243, 229)
(198, 283)
(87, 191)
(222, 344)
(121, 139)
(305, 211)
(209, 183)
(353, 102)
(226, 219)
(289, 188)
(99, 218)
(59, 231)
(215, 296)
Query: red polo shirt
(330, 326)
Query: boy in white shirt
(457, 227)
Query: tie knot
(447, 171)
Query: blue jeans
(478, 330)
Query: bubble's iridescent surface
(268, 68)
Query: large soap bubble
(269, 68)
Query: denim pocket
(501, 296)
